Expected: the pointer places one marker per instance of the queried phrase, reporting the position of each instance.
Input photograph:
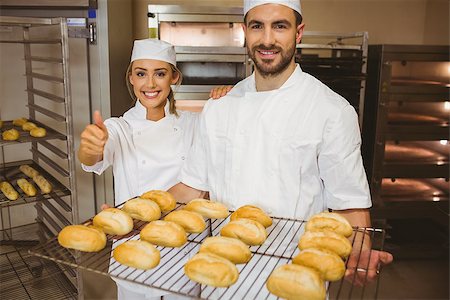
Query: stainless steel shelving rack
(340, 61)
(405, 140)
(46, 58)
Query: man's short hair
(298, 18)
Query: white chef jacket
(294, 151)
(145, 154)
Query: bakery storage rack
(278, 249)
(405, 140)
(340, 61)
(44, 43)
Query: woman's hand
(362, 268)
(93, 141)
(220, 91)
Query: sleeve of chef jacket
(108, 152)
(195, 170)
(340, 163)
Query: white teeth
(267, 52)
(150, 94)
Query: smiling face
(272, 34)
(151, 80)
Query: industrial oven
(406, 133)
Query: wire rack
(10, 172)
(279, 248)
(23, 276)
(24, 136)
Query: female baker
(149, 143)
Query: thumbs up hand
(93, 141)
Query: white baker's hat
(294, 4)
(154, 49)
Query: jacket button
(183, 158)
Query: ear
(299, 34)
(130, 78)
(175, 77)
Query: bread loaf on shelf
(19, 122)
(232, 249)
(296, 282)
(27, 126)
(83, 238)
(207, 208)
(165, 200)
(249, 231)
(10, 135)
(43, 184)
(27, 187)
(330, 221)
(142, 209)
(191, 221)
(211, 269)
(327, 240)
(8, 190)
(164, 233)
(114, 221)
(137, 254)
(38, 132)
(29, 171)
(330, 266)
(253, 213)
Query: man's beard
(264, 67)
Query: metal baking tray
(279, 248)
(24, 136)
(10, 172)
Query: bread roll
(330, 221)
(27, 187)
(8, 190)
(165, 200)
(164, 233)
(207, 208)
(248, 231)
(19, 122)
(234, 250)
(43, 184)
(329, 265)
(83, 238)
(211, 269)
(29, 171)
(38, 132)
(27, 126)
(137, 254)
(142, 209)
(296, 282)
(326, 240)
(191, 221)
(10, 135)
(253, 213)
(114, 221)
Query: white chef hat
(153, 49)
(294, 4)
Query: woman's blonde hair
(170, 97)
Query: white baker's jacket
(145, 154)
(294, 151)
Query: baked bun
(211, 269)
(142, 209)
(137, 254)
(330, 221)
(113, 221)
(8, 190)
(326, 240)
(234, 250)
(27, 126)
(164, 233)
(330, 266)
(19, 122)
(29, 171)
(296, 282)
(27, 187)
(249, 231)
(207, 208)
(165, 200)
(10, 135)
(43, 184)
(83, 238)
(253, 213)
(38, 132)
(191, 221)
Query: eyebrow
(281, 21)
(155, 70)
